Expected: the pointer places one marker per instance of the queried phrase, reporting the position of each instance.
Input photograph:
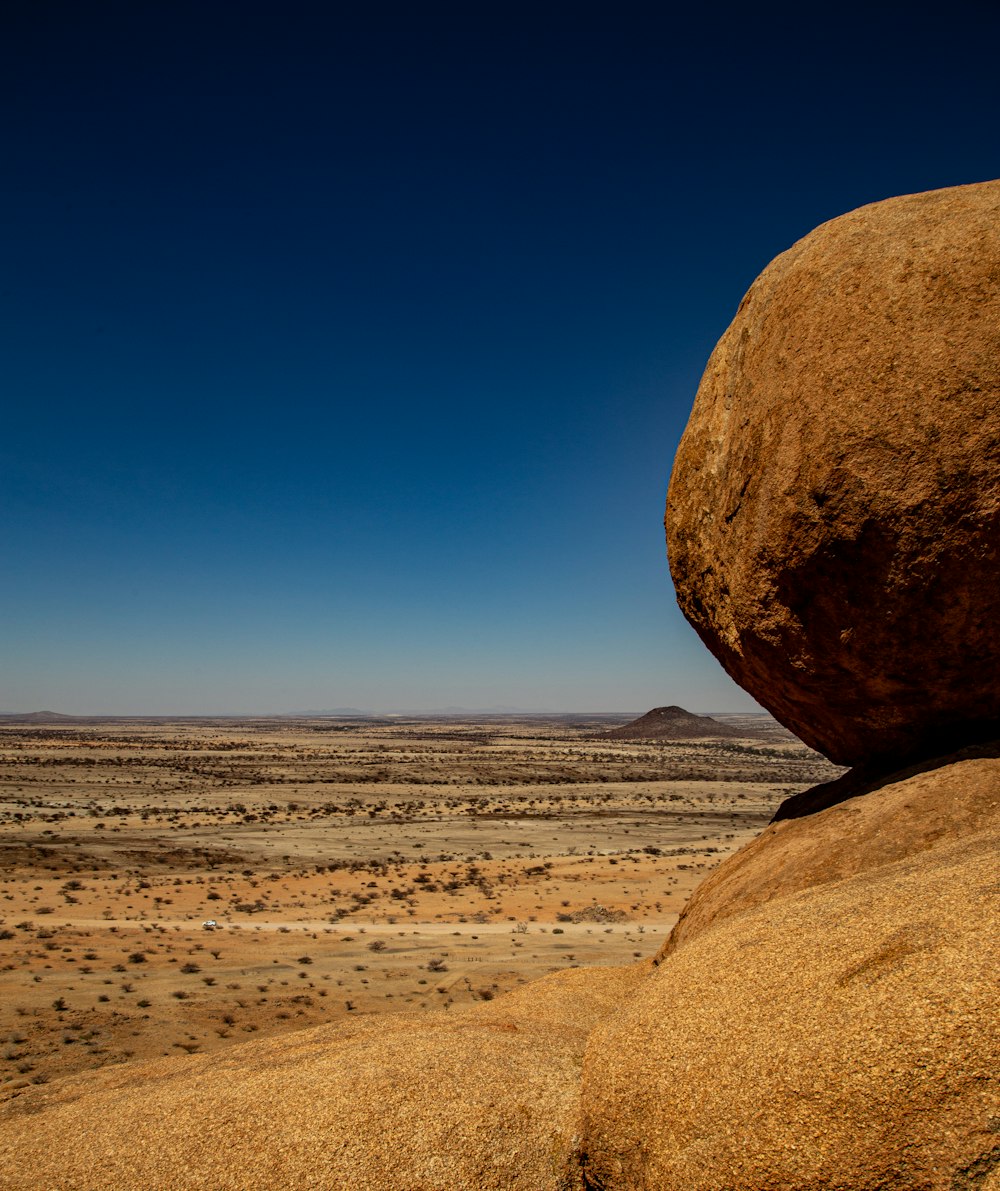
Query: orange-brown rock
(903, 818)
(846, 1036)
(833, 519)
(482, 1100)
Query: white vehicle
(211, 924)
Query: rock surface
(840, 1037)
(904, 818)
(482, 1099)
(833, 519)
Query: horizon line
(345, 713)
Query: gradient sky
(345, 364)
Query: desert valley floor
(352, 867)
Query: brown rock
(902, 819)
(833, 519)
(482, 1099)
(841, 1037)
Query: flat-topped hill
(37, 717)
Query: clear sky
(344, 364)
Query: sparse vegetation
(411, 867)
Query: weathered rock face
(904, 818)
(844, 1036)
(833, 520)
(485, 1099)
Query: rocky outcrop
(487, 1098)
(843, 1036)
(902, 819)
(825, 1012)
(833, 518)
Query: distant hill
(344, 711)
(674, 723)
(38, 717)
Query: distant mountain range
(660, 723)
(326, 711)
(54, 717)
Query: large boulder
(485, 1099)
(903, 818)
(833, 519)
(843, 1036)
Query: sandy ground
(352, 868)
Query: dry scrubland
(353, 867)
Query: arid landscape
(608, 952)
(500, 687)
(352, 866)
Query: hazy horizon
(348, 711)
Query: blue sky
(344, 364)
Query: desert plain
(351, 867)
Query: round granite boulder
(907, 815)
(833, 519)
(844, 1036)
